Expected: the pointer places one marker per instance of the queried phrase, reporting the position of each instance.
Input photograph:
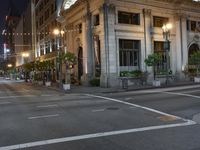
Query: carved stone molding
(179, 16)
(147, 12)
(111, 8)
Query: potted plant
(152, 61)
(195, 61)
(47, 65)
(69, 59)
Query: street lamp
(166, 35)
(59, 33)
(25, 55)
(9, 65)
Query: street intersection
(39, 118)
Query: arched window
(193, 48)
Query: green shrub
(95, 82)
(124, 73)
(135, 73)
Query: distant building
(112, 36)
(24, 45)
(12, 20)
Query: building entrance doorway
(192, 65)
(193, 48)
(80, 63)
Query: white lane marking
(138, 106)
(95, 135)
(182, 94)
(45, 116)
(4, 97)
(191, 91)
(4, 103)
(47, 106)
(98, 110)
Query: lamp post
(25, 56)
(59, 34)
(166, 35)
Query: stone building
(110, 36)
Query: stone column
(181, 44)
(148, 41)
(179, 50)
(109, 56)
(147, 36)
(88, 55)
(184, 40)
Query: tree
(28, 67)
(153, 60)
(69, 59)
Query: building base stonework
(111, 80)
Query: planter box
(156, 83)
(66, 87)
(197, 79)
(48, 83)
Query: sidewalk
(92, 90)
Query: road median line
(94, 135)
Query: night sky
(4, 7)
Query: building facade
(111, 36)
(46, 21)
(24, 45)
(11, 22)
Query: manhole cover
(112, 108)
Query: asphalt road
(37, 118)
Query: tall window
(159, 21)
(96, 20)
(47, 47)
(159, 49)
(80, 28)
(129, 52)
(128, 18)
(46, 14)
(193, 25)
(41, 50)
